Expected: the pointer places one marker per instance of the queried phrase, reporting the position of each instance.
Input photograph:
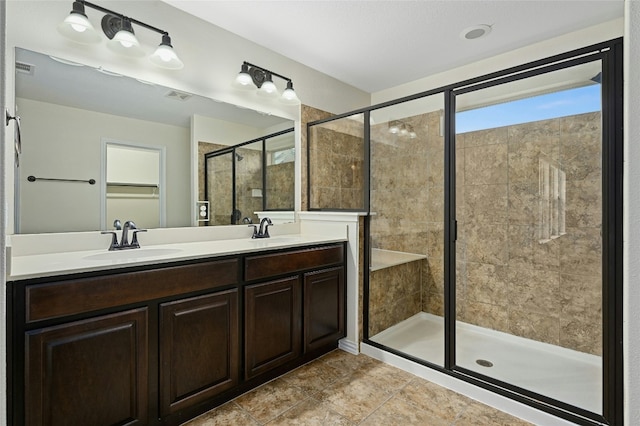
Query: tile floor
(344, 389)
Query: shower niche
(493, 238)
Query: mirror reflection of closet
(133, 188)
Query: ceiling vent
(25, 68)
(179, 96)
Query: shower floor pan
(566, 375)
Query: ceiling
(375, 45)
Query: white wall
(75, 206)
(632, 213)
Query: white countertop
(52, 264)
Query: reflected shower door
(529, 247)
(219, 188)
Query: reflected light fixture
(399, 127)
(252, 76)
(118, 28)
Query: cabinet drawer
(269, 265)
(62, 298)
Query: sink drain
(484, 363)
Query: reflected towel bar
(90, 181)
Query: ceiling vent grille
(179, 96)
(25, 68)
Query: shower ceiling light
(475, 32)
(252, 76)
(119, 30)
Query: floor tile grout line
(391, 396)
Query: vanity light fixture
(77, 26)
(118, 28)
(252, 76)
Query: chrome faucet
(124, 239)
(263, 232)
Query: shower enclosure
(257, 175)
(493, 235)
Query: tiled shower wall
(336, 165)
(407, 194)
(507, 279)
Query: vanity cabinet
(198, 349)
(273, 324)
(324, 307)
(160, 344)
(90, 372)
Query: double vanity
(160, 334)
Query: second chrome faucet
(124, 243)
(263, 231)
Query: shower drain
(484, 363)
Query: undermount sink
(132, 254)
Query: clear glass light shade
(165, 57)
(268, 89)
(125, 43)
(77, 27)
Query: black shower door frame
(610, 54)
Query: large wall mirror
(70, 112)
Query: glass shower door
(529, 246)
(406, 274)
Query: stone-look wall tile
(485, 204)
(543, 327)
(581, 156)
(581, 298)
(577, 331)
(581, 251)
(524, 158)
(588, 123)
(488, 283)
(546, 255)
(526, 251)
(434, 209)
(487, 243)
(486, 165)
(394, 295)
(534, 290)
(485, 315)
(435, 167)
(494, 136)
(523, 203)
(307, 115)
(584, 203)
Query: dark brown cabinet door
(198, 349)
(324, 294)
(89, 372)
(272, 324)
